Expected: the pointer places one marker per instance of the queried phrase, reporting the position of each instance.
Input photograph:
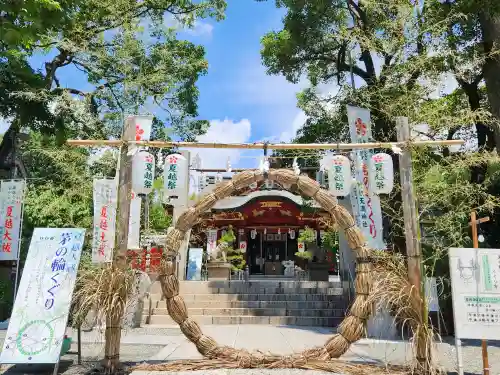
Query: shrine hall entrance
(267, 250)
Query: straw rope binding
(350, 330)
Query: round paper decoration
(143, 172)
(381, 173)
(339, 176)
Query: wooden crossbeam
(261, 146)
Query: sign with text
(475, 285)
(367, 204)
(12, 193)
(40, 314)
(105, 202)
(195, 260)
(134, 222)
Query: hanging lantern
(143, 172)
(253, 234)
(201, 182)
(292, 234)
(295, 167)
(381, 174)
(243, 246)
(265, 231)
(175, 175)
(279, 231)
(218, 178)
(339, 176)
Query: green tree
(130, 59)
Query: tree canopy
(130, 59)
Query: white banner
(138, 128)
(40, 314)
(105, 202)
(11, 216)
(369, 213)
(175, 176)
(211, 241)
(134, 223)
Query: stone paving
(168, 343)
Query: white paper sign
(134, 223)
(211, 241)
(368, 204)
(38, 321)
(105, 203)
(175, 176)
(243, 246)
(10, 216)
(431, 294)
(138, 128)
(475, 285)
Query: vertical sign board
(431, 294)
(475, 286)
(369, 212)
(105, 203)
(2, 217)
(40, 314)
(195, 260)
(134, 222)
(11, 215)
(211, 241)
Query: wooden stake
(114, 322)
(261, 146)
(412, 234)
(474, 222)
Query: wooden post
(474, 222)
(412, 233)
(114, 321)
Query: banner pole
(16, 280)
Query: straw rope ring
(349, 331)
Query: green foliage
(6, 297)
(128, 55)
(307, 255)
(331, 240)
(307, 236)
(159, 221)
(236, 258)
(228, 237)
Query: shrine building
(266, 221)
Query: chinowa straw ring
(349, 331)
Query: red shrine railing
(147, 259)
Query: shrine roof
(233, 202)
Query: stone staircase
(275, 302)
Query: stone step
(273, 320)
(259, 304)
(257, 287)
(258, 312)
(253, 297)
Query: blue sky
(242, 102)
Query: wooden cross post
(412, 235)
(474, 223)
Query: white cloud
(288, 134)
(223, 131)
(201, 28)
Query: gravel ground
(93, 354)
(394, 353)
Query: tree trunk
(490, 25)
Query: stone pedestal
(382, 325)
(218, 270)
(318, 271)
